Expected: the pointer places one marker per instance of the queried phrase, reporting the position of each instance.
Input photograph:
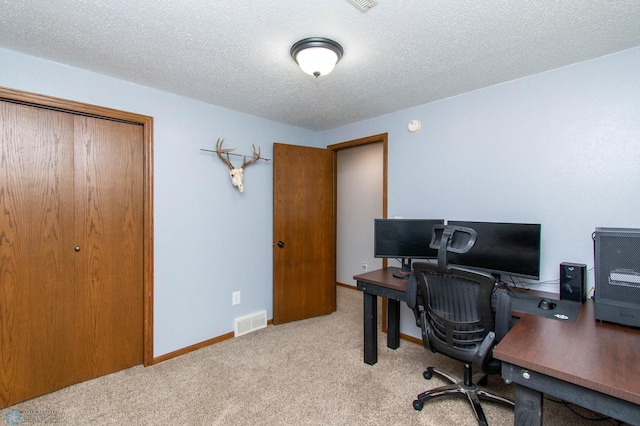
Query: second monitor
(502, 248)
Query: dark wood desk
(382, 283)
(589, 363)
(376, 283)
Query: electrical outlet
(235, 298)
(364, 265)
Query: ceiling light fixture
(316, 55)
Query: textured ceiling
(399, 54)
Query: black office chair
(452, 307)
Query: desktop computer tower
(573, 282)
(617, 275)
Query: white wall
(560, 148)
(359, 201)
(210, 240)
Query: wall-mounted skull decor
(236, 173)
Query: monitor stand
(405, 270)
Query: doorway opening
(354, 222)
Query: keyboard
(527, 303)
(521, 302)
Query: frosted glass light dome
(316, 56)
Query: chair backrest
(452, 304)
(456, 311)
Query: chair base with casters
(461, 388)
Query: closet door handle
(280, 244)
(77, 248)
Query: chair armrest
(484, 353)
(503, 316)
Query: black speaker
(617, 275)
(573, 282)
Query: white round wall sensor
(415, 126)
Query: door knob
(280, 244)
(77, 248)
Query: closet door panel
(36, 251)
(109, 233)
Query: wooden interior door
(36, 252)
(303, 232)
(71, 249)
(109, 237)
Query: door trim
(42, 101)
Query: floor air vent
(250, 323)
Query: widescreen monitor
(404, 239)
(502, 248)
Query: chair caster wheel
(427, 374)
(483, 381)
(417, 405)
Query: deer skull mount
(236, 174)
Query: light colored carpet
(304, 373)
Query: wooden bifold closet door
(71, 249)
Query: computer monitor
(404, 239)
(502, 248)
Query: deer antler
(256, 157)
(221, 151)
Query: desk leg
(393, 323)
(528, 407)
(370, 331)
